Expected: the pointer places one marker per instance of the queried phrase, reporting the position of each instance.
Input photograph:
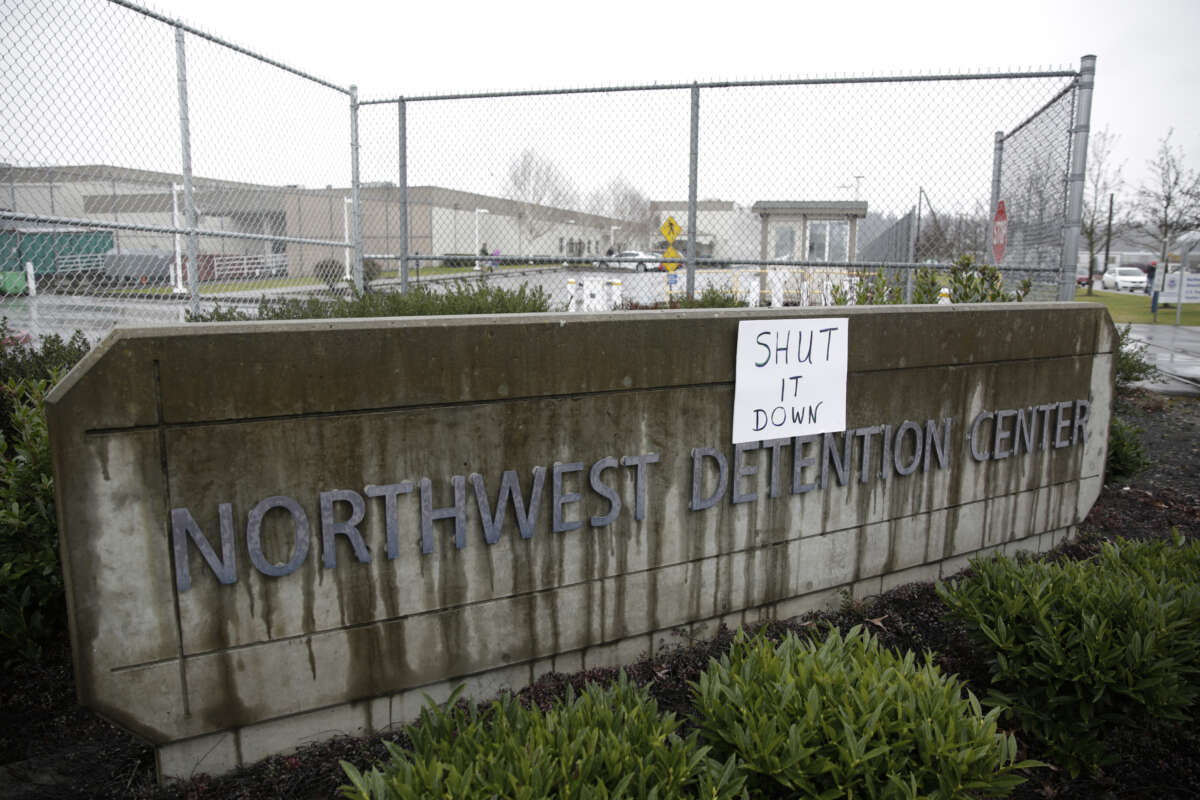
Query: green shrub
(1126, 454)
(371, 271)
(873, 290)
(31, 586)
(460, 297)
(1079, 648)
(967, 281)
(605, 743)
(51, 355)
(1132, 365)
(331, 271)
(845, 718)
(712, 297)
(32, 611)
(982, 283)
(925, 286)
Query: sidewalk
(1176, 353)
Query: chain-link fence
(148, 168)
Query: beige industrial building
(440, 221)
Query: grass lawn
(1135, 307)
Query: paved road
(95, 316)
(1176, 353)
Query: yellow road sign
(671, 252)
(670, 229)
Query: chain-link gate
(148, 168)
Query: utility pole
(1107, 244)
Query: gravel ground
(52, 748)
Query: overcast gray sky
(86, 82)
(1148, 72)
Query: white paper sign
(1191, 288)
(790, 379)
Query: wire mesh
(803, 189)
(1033, 186)
(93, 207)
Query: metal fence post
(997, 166)
(401, 112)
(1075, 175)
(693, 164)
(189, 199)
(355, 199)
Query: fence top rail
(655, 87)
(223, 43)
(1066, 89)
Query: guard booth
(810, 231)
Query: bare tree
(539, 186)
(620, 200)
(1168, 204)
(1103, 180)
(945, 237)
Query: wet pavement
(1176, 353)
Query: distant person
(1150, 270)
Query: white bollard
(572, 294)
(614, 297)
(593, 291)
(775, 276)
(30, 279)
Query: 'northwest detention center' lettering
(859, 455)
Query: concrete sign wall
(279, 531)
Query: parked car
(1124, 279)
(644, 264)
(1082, 279)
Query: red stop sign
(999, 232)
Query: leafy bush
(982, 283)
(874, 290)
(605, 743)
(460, 297)
(31, 586)
(845, 718)
(331, 271)
(711, 297)
(1132, 365)
(52, 355)
(1126, 454)
(968, 282)
(1079, 648)
(925, 286)
(371, 271)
